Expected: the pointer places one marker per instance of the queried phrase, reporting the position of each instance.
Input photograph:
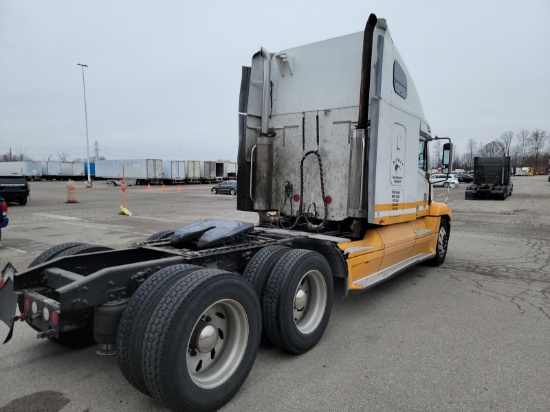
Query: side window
(423, 155)
(399, 80)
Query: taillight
(55, 318)
(4, 209)
(27, 305)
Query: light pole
(89, 182)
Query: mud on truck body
(333, 155)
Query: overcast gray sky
(164, 76)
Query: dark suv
(14, 188)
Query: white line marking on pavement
(60, 217)
(17, 250)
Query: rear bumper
(15, 196)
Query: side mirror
(447, 161)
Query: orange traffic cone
(148, 187)
(163, 188)
(179, 188)
(71, 195)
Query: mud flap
(8, 298)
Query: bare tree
(11, 156)
(471, 149)
(523, 139)
(437, 151)
(456, 161)
(491, 149)
(537, 141)
(63, 157)
(506, 141)
(465, 161)
(515, 154)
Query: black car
(227, 187)
(14, 188)
(465, 177)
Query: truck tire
(188, 373)
(298, 300)
(162, 235)
(82, 249)
(52, 252)
(442, 244)
(83, 336)
(259, 268)
(46, 256)
(134, 320)
(23, 201)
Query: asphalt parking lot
(472, 334)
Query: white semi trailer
(173, 171)
(32, 170)
(333, 155)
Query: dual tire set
(189, 335)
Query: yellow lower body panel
(387, 250)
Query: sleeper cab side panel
(386, 246)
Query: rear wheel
(258, 270)
(134, 320)
(23, 201)
(201, 340)
(82, 249)
(52, 252)
(46, 256)
(298, 300)
(83, 336)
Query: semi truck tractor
(492, 179)
(333, 156)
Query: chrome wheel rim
(217, 344)
(442, 241)
(310, 300)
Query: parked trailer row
(32, 170)
(136, 171)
